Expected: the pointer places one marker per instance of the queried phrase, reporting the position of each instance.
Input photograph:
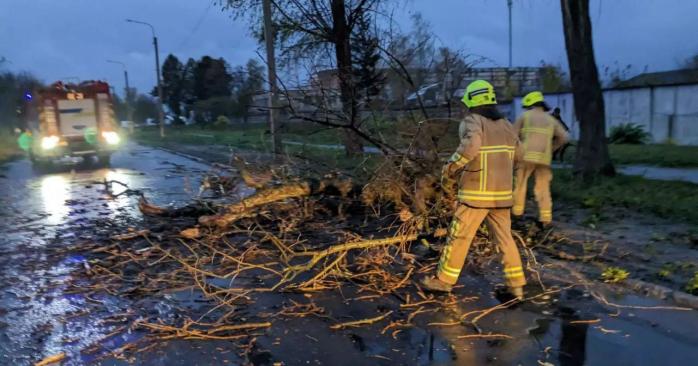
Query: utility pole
(271, 71)
(509, 4)
(127, 94)
(161, 112)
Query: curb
(662, 292)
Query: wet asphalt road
(40, 213)
(43, 214)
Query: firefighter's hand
(445, 176)
(448, 171)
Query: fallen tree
(302, 234)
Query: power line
(196, 27)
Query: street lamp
(161, 113)
(66, 78)
(129, 112)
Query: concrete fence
(668, 113)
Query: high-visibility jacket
(540, 135)
(485, 158)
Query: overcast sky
(73, 38)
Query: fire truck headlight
(111, 137)
(49, 142)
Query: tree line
(204, 89)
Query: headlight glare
(49, 142)
(111, 137)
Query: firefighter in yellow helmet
(483, 165)
(540, 134)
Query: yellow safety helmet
(532, 98)
(478, 93)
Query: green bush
(221, 123)
(628, 133)
(614, 275)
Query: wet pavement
(43, 216)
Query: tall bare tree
(592, 150)
(306, 26)
(451, 68)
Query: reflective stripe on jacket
(540, 134)
(486, 155)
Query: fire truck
(74, 120)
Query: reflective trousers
(463, 228)
(543, 175)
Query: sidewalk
(652, 172)
(659, 173)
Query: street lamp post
(161, 113)
(129, 111)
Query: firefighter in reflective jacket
(540, 134)
(483, 165)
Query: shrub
(628, 133)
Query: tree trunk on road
(342, 35)
(592, 150)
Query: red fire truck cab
(75, 120)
